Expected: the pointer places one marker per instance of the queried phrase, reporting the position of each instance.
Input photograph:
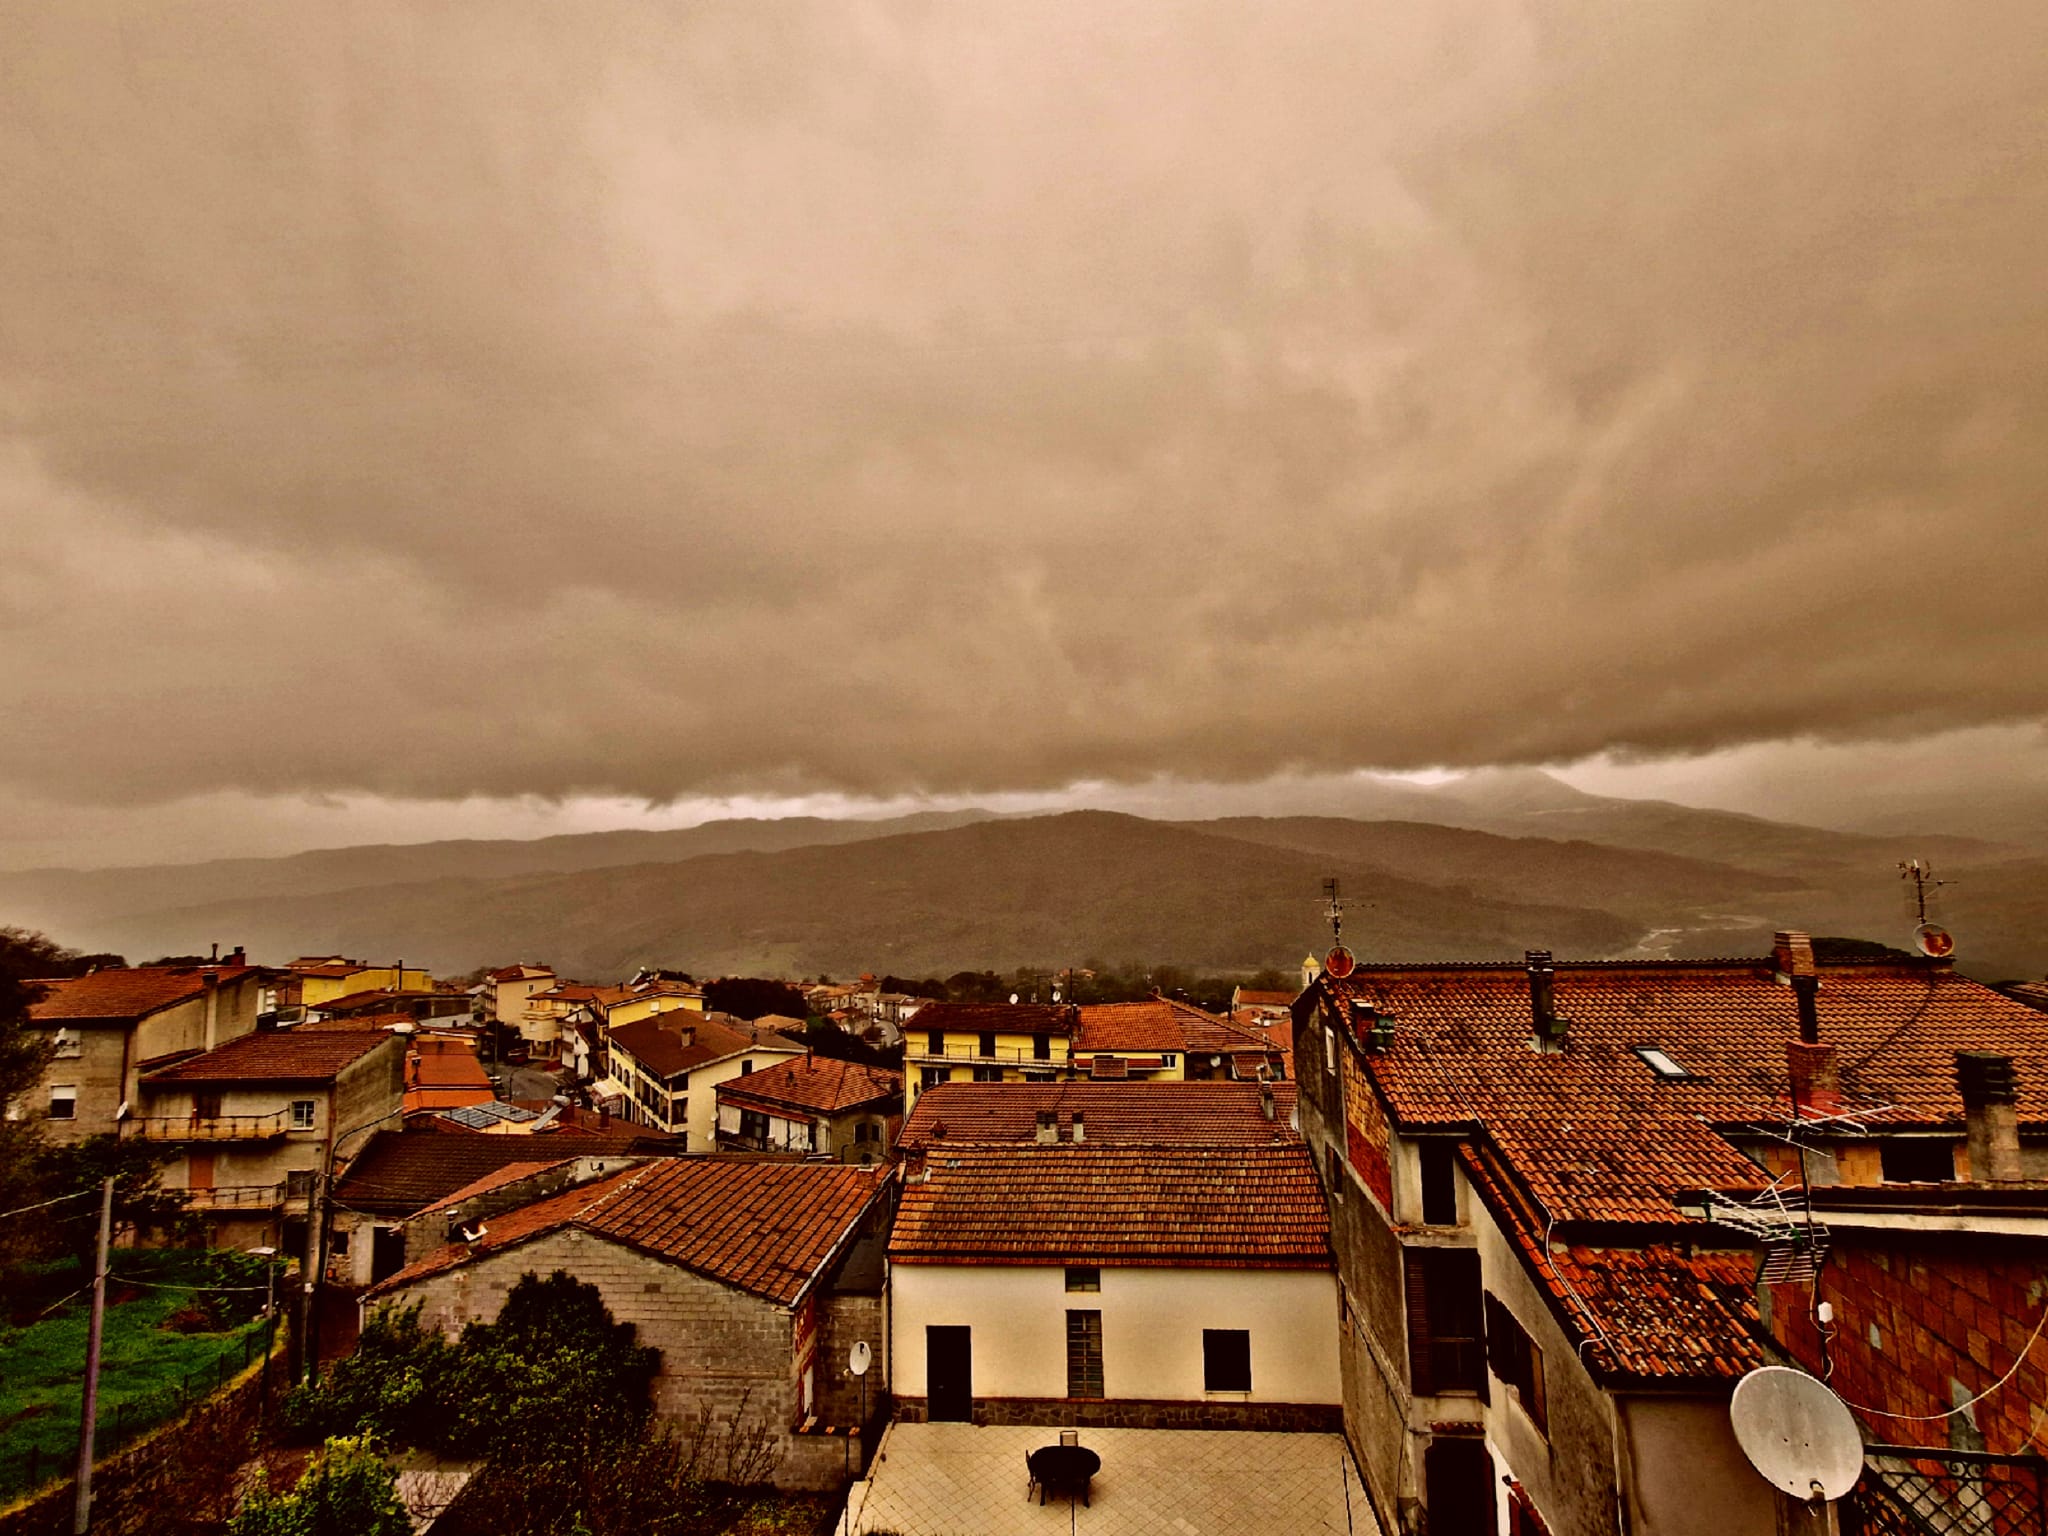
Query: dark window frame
(1084, 1277)
(1084, 1352)
(1446, 1321)
(1438, 1159)
(1517, 1360)
(1226, 1360)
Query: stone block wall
(724, 1352)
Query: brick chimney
(1816, 1079)
(1792, 954)
(1546, 1026)
(1990, 1090)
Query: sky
(514, 418)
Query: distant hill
(1579, 874)
(993, 894)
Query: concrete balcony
(964, 1051)
(213, 1127)
(235, 1197)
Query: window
(1330, 1049)
(1513, 1356)
(1661, 1063)
(987, 1043)
(1168, 1060)
(988, 1074)
(678, 1108)
(1041, 1047)
(1083, 1277)
(302, 1114)
(63, 1102)
(935, 1042)
(1446, 1337)
(1917, 1160)
(1084, 1354)
(1226, 1360)
(206, 1105)
(1439, 1182)
(69, 1043)
(931, 1077)
(746, 1065)
(298, 1184)
(753, 1125)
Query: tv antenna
(1932, 938)
(1339, 962)
(1797, 1434)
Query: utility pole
(81, 1513)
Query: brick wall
(1922, 1322)
(722, 1350)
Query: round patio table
(1063, 1469)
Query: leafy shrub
(347, 1488)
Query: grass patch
(147, 1372)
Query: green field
(147, 1372)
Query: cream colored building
(1167, 1286)
(663, 1071)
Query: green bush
(347, 1489)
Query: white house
(1146, 1286)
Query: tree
(348, 1488)
(24, 1054)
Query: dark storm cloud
(764, 398)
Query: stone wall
(725, 1353)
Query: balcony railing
(1015, 1055)
(1928, 1491)
(213, 1127)
(235, 1197)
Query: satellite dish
(1339, 963)
(859, 1360)
(1934, 940)
(1013, 997)
(1796, 1433)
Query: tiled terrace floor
(960, 1480)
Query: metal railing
(963, 1051)
(213, 1127)
(225, 1197)
(1926, 1491)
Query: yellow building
(630, 1004)
(311, 981)
(987, 1043)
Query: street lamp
(268, 1255)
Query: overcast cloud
(474, 403)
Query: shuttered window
(1446, 1339)
(1513, 1356)
(1084, 1354)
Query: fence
(122, 1423)
(1918, 1491)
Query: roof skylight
(1660, 1063)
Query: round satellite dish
(1934, 940)
(1013, 997)
(858, 1361)
(1339, 963)
(1797, 1434)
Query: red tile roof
(1130, 1114)
(997, 1018)
(659, 1044)
(1596, 1134)
(1183, 1207)
(759, 1226)
(813, 1085)
(1148, 1027)
(126, 992)
(275, 1056)
(1247, 998)
(520, 973)
(402, 1172)
(511, 1173)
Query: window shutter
(1421, 1372)
(1497, 1337)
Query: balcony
(213, 1127)
(1008, 1055)
(235, 1197)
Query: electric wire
(23, 1210)
(1928, 1418)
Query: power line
(25, 1209)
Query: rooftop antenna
(1933, 939)
(1339, 962)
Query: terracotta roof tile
(126, 992)
(998, 1018)
(400, 1172)
(815, 1084)
(1137, 1114)
(511, 1173)
(1143, 1027)
(680, 1039)
(760, 1226)
(274, 1056)
(1182, 1206)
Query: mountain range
(1482, 868)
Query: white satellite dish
(861, 1357)
(1013, 997)
(1798, 1435)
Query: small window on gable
(1439, 1182)
(1084, 1277)
(1917, 1160)
(1660, 1063)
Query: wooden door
(1458, 1478)
(949, 1374)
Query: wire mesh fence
(1916, 1491)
